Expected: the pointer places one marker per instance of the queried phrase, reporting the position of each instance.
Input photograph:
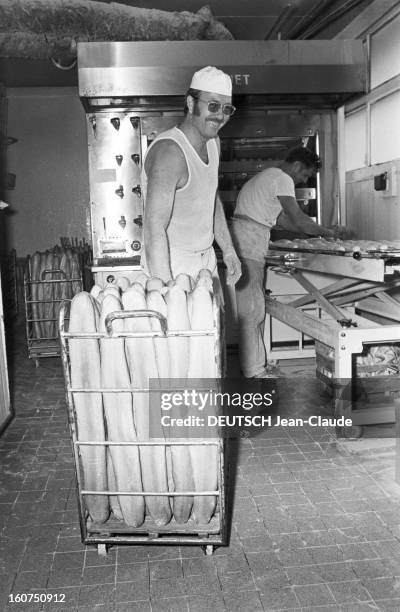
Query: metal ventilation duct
(278, 70)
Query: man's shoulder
(272, 171)
(166, 150)
(166, 140)
(267, 174)
(163, 145)
(265, 177)
(283, 178)
(277, 175)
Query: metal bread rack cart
(115, 531)
(43, 299)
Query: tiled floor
(315, 526)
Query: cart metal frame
(115, 531)
(40, 346)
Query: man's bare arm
(224, 241)
(221, 230)
(301, 221)
(165, 168)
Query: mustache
(216, 121)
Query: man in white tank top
(183, 213)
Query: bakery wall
(372, 140)
(49, 160)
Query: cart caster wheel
(209, 549)
(102, 550)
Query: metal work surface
(362, 259)
(371, 279)
(365, 248)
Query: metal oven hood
(280, 71)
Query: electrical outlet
(380, 181)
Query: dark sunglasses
(214, 107)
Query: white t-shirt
(258, 198)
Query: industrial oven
(286, 93)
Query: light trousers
(251, 242)
(250, 301)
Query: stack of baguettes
(339, 246)
(122, 363)
(55, 275)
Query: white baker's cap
(213, 80)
